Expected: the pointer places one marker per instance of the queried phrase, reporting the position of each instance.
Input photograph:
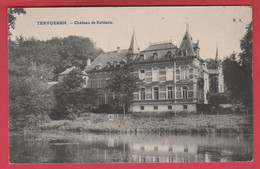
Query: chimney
(118, 49)
(88, 61)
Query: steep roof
(161, 49)
(105, 57)
(186, 45)
(133, 48)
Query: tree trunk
(124, 111)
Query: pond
(67, 147)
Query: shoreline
(181, 124)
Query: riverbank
(155, 124)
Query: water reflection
(146, 148)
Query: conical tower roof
(133, 48)
(217, 58)
(186, 45)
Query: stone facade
(174, 79)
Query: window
(99, 83)
(182, 73)
(170, 148)
(185, 107)
(142, 148)
(155, 148)
(142, 107)
(142, 93)
(169, 107)
(143, 159)
(186, 72)
(157, 160)
(184, 53)
(169, 73)
(184, 92)
(169, 54)
(155, 56)
(191, 70)
(169, 92)
(155, 107)
(156, 93)
(142, 74)
(177, 74)
(155, 75)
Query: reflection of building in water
(148, 153)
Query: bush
(59, 113)
(105, 108)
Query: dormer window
(122, 63)
(115, 63)
(98, 67)
(142, 57)
(108, 64)
(155, 55)
(169, 54)
(184, 53)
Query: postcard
(160, 84)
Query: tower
(187, 47)
(133, 50)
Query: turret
(133, 50)
(186, 48)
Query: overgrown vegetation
(32, 64)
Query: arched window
(169, 55)
(184, 92)
(155, 56)
(108, 64)
(142, 57)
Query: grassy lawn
(167, 123)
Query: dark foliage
(12, 18)
(123, 85)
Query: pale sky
(209, 25)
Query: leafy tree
(216, 99)
(238, 72)
(71, 97)
(12, 18)
(73, 51)
(123, 85)
(245, 61)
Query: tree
(123, 85)
(245, 61)
(73, 51)
(66, 94)
(12, 18)
(216, 99)
(238, 71)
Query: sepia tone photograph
(166, 84)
